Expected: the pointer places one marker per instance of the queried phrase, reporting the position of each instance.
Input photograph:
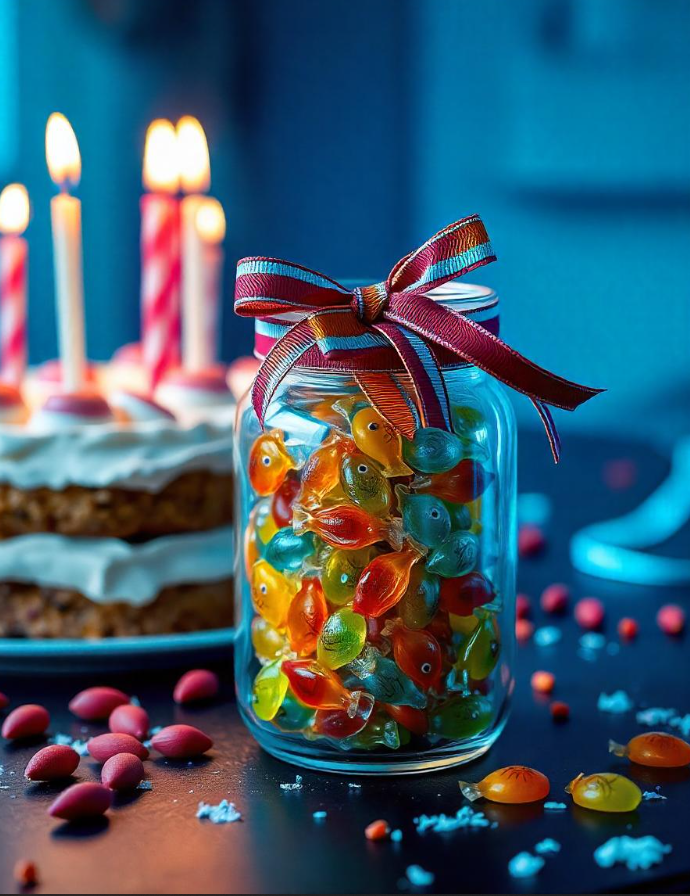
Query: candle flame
(161, 158)
(210, 221)
(14, 209)
(62, 151)
(195, 168)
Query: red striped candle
(14, 218)
(160, 253)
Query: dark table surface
(153, 843)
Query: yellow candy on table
(605, 792)
(268, 693)
(267, 641)
(272, 593)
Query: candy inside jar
(376, 624)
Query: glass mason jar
(375, 585)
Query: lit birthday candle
(210, 223)
(64, 165)
(160, 252)
(14, 218)
(195, 176)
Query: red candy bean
(628, 628)
(196, 685)
(122, 771)
(543, 682)
(25, 873)
(83, 800)
(28, 720)
(671, 619)
(52, 763)
(181, 742)
(129, 719)
(106, 745)
(554, 599)
(531, 541)
(560, 711)
(523, 606)
(96, 703)
(589, 613)
(4, 700)
(377, 830)
(524, 629)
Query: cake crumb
(465, 817)
(296, 786)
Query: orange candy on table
(513, 784)
(543, 682)
(306, 616)
(654, 748)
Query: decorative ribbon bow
(356, 329)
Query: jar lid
(480, 303)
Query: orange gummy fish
(383, 582)
(347, 526)
(269, 462)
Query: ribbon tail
(550, 427)
(391, 399)
(279, 361)
(427, 382)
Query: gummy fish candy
(415, 720)
(293, 715)
(605, 792)
(383, 582)
(269, 462)
(513, 784)
(461, 717)
(364, 484)
(347, 526)
(461, 485)
(271, 593)
(287, 551)
(478, 654)
(655, 749)
(268, 692)
(336, 723)
(283, 499)
(417, 653)
(463, 594)
(419, 603)
(378, 439)
(267, 641)
(390, 685)
(425, 517)
(432, 450)
(456, 556)
(341, 573)
(467, 422)
(342, 638)
(460, 516)
(306, 617)
(379, 731)
(319, 687)
(321, 472)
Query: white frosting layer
(108, 570)
(142, 456)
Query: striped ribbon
(359, 330)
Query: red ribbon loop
(397, 314)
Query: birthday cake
(115, 508)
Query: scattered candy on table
(523, 606)
(617, 703)
(605, 792)
(513, 784)
(524, 864)
(671, 619)
(654, 748)
(543, 682)
(524, 629)
(554, 599)
(589, 613)
(377, 830)
(628, 628)
(560, 711)
(531, 540)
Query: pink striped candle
(160, 253)
(14, 218)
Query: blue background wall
(344, 133)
